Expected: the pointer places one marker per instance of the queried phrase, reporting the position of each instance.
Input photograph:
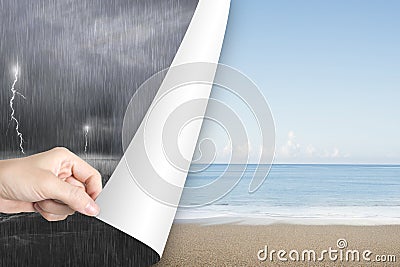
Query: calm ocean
(304, 194)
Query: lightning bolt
(86, 128)
(13, 118)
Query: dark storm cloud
(81, 62)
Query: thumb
(73, 196)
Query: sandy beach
(238, 245)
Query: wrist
(3, 167)
(5, 172)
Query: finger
(93, 186)
(54, 188)
(72, 181)
(64, 170)
(59, 208)
(83, 172)
(50, 206)
(49, 216)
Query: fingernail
(92, 209)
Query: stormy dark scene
(68, 70)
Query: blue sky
(330, 71)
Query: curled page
(142, 195)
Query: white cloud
(245, 152)
(310, 150)
(335, 153)
(294, 150)
(291, 148)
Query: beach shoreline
(239, 245)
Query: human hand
(55, 183)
